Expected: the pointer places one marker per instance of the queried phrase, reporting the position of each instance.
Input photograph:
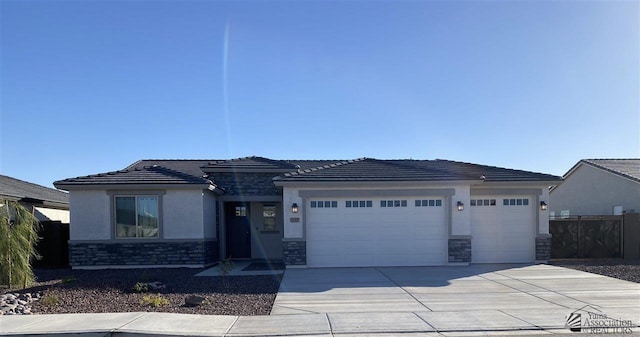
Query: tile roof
(628, 168)
(154, 174)
(249, 163)
(19, 189)
(189, 166)
(471, 171)
(309, 164)
(167, 171)
(368, 169)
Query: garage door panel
(327, 246)
(503, 233)
(376, 236)
(324, 233)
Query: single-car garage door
(360, 232)
(503, 229)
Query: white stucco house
(598, 187)
(313, 213)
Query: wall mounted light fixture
(294, 208)
(460, 206)
(543, 206)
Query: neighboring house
(315, 213)
(47, 204)
(598, 187)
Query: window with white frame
(515, 202)
(324, 204)
(429, 203)
(358, 203)
(137, 216)
(393, 203)
(482, 202)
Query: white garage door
(503, 229)
(360, 232)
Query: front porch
(247, 268)
(251, 230)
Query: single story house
(47, 204)
(598, 187)
(313, 213)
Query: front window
(137, 216)
(269, 218)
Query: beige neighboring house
(47, 204)
(598, 187)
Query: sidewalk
(165, 324)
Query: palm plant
(18, 238)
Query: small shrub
(49, 300)
(68, 280)
(155, 301)
(140, 287)
(226, 266)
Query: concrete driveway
(455, 299)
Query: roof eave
(282, 183)
(90, 186)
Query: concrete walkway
(381, 302)
(238, 270)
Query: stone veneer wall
(460, 249)
(197, 252)
(543, 247)
(294, 252)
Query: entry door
(238, 230)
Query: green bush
(140, 287)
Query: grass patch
(49, 300)
(155, 301)
(68, 280)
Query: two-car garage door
(359, 232)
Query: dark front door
(238, 230)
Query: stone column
(460, 249)
(294, 253)
(543, 247)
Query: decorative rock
(193, 300)
(17, 304)
(156, 285)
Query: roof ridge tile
(323, 167)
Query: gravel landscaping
(95, 291)
(621, 269)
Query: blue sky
(92, 86)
